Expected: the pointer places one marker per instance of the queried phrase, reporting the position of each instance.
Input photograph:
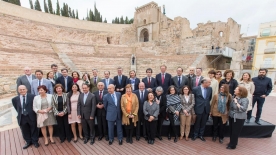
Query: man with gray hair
(161, 100)
(94, 81)
(26, 79)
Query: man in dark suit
(54, 68)
(25, 80)
(107, 81)
(86, 111)
(65, 80)
(94, 81)
(112, 105)
(196, 81)
(100, 111)
(163, 79)
(142, 95)
(23, 104)
(120, 81)
(203, 96)
(133, 80)
(180, 80)
(149, 81)
(161, 99)
(190, 77)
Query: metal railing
(226, 51)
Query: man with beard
(263, 87)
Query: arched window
(221, 34)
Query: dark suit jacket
(123, 82)
(194, 81)
(23, 80)
(29, 107)
(162, 105)
(141, 101)
(88, 109)
(111, 81)
(60, 80)
(152, 84)
(113, 112)
(190, 80)
(136, 84)
(202, 105)
(102, 111)
(183, 83)
(167, 81)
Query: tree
(31, 4)
(130, 21)
(73, 14)
(77, 15)
(45, 7)
(70, 13)
(126, 20)
(122, 20)
(50, 7)
(105, 21)
(37, 6)
(16, 2)
(58, 9)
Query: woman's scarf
(221, 103)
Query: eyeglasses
(218, 74)
(191, 70)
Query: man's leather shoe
(152, 142)
(137, 138)
(148, 141)
(62, 141)
(160, 138)
(110, 142)
(230, 147)
(193, 138)
(120, 142)
(27, 145)
(106, 138)
(258, 122)
(214, 139)
(85, 141)
(247, 121)
(220, 141)
(36, 145)
(146, 138)
(169, 137)
(100, 138)
(201, 138)
(92, 141)
(127, 140)
(175, 139)
(130, 140)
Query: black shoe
(146, 138)
(169, 137)
(247, 121)
(120, 142)
(148, 141)
(130, 140)
(194, 138)
(106, 138)
(62, 141)
(85, 141)
(92, 141)
(152, 142)
(27, 145)
(220, 141)
(69, 140)
(175, 139)
(214, 139)
(201, 138)
(258, 122)
(36, 145)
(230, 147)
(100, 138)
(127, 140)
(137, 138)
(110, 142)
(160, 138)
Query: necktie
(24, 108)
(95, 80)
(39, 82)
(204, 92)
(142, 95)
(149, 81)
(197, 79)
(107, 82)
(84, 98)
(55, 76)
(101, 95)
(65, 83)
(30, 79)
(163, 78)
(179, 81)
(120, 79)
(113, 98)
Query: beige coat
(250, 89)
(134, 109)
(214, 108)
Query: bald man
(23, 104)
(26, 79)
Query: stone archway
(144, 35)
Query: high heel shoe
(175, 139)
(181, 137)
(75, 140)
(46, 144)
(52, 142)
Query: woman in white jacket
(42, 106)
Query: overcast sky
(248, 13)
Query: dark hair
(172, 86)
(149, 69)
(212, 72)
(107, 72)
(199, 68)
(152, 94)
(88, 76)
(182, 90)
(64, 69)
(40, 71)
(249, 79)
(42, 87)
(180, 68)
(132, 71)
(86, 85)
(226, 88)
(242, 91)
(77, 74)
(53, 65)
(47, 75)
(71, 91)
(219, 72)
(263, 69)
(229, 71)
(203, 80)
(58, 85)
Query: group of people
(75, 103)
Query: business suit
(23, 80)
(190, 78)
(111, 81)
(60, 80)
(152, 83)
(93, 86)
(57, 75)
(141, 118)
(194, 81)
(136, 83)
(183, 82)
(27, 123)
(202, 109)
(101, 114)
(119, 85)
(162, 113)
(167, 81)
(113, 115)
(86, 110)
(45, 82)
